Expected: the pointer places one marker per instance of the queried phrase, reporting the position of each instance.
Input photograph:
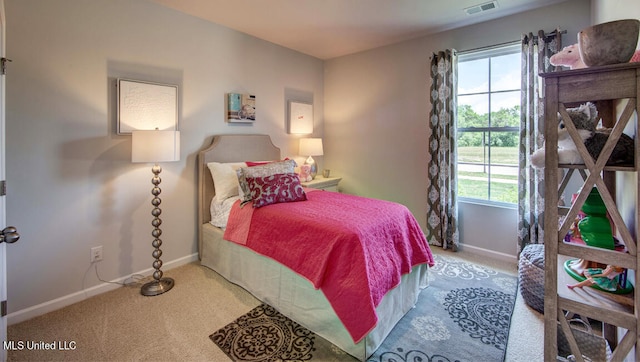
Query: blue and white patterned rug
(464, 315)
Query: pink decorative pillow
(257, 163)
(262, 163)
(274, 189)
(268, 169)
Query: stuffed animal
(305, 173)
(585, 119)
(569, 56)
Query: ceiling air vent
(480, 8)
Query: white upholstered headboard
(228, 148)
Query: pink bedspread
(352, 248)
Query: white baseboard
(489, 253)
(50, 306)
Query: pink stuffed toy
(569, 56)
(305, 173)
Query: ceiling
(331, 28)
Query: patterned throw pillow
(269, 169)
(274, 189)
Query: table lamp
(311, 147)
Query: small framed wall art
(146, 105)
(241, 108)
(300, 117)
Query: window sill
(496, 204)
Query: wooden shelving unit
(606, 86)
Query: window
(488, 124)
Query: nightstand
(329, 184)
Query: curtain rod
(507, 43)
(488, 47)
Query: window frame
(484, 53)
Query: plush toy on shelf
(585, 119)
(569, 56)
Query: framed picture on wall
(146, 105)
(300, 117)
(241, 108)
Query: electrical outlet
(96, 254)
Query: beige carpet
(122, 325)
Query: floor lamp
(156, 146)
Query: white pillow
(220, 211)
(225, 180)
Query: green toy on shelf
(595, 228)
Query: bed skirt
(295, 297)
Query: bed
(272, 282)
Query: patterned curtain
(536, 51)
(442, 214)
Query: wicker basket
(531, 276)
(592, 346)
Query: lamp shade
(155, 146)
(311, 147)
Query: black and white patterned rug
(265, 335)
(464, 315)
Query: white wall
(70, 181)
(610, 10)
(376, 114)
(626, 190)
(603, 11)
(71, 185)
